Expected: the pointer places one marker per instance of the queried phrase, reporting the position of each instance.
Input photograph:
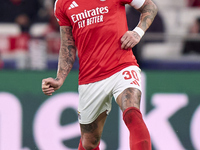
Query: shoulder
(60, 4)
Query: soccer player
(98, 30)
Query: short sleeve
(125, 1)
(62, 18)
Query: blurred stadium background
(169, 56)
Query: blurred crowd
(19, 48)
(36, 44)
(27, 12)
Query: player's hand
(130, 39)
(50, 85)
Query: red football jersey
(98, 26)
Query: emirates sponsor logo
(88, 17)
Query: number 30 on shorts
(131, 75)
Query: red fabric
(194, 3)
(97, 29)
(1, 64)
(16, 2)
(80, 147)
(139, 134)
(19, 42)
(13, 43)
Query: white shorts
(95, 98)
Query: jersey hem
(108, 75)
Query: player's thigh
(91, 133)
(130, 97)
(127, 91)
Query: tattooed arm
(66, 60)
(148, 12)
(67, 53)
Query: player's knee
(91, 143)
(135, 96)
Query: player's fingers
(46, 83)
(45, 87)
(48, 89)
(123, 38)
(124, 43)
(49, 92)
(132, 45)
(128, 45)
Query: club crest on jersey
(79, 115)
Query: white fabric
(139, 31)
(95, 98)
(137, 3)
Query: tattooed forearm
(148, 13)
(67, 53)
